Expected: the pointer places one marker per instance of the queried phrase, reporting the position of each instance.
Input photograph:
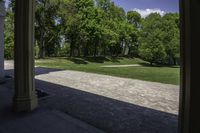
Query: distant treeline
(98, 28)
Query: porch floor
(39, 121)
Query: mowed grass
(162, 74)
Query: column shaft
(190, 30)
(25, 98)
(2, 15)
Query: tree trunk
(111, 53)
(71, 51)
(79, 51)
(42, 45)
(95, 50)
(85, 52)
(72, 48)
(104, 51)
(86, 49)
(42, 52)
(174, 61)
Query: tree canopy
(99, 28)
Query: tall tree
(171, 37)
(99, 27)
(152, 48)
(9, 31)
(47, 27)
(134, 18)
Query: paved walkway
(161, 97)
(112, 104)
(9, 64)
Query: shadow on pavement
(110, 115)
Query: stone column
(189, 114)
(25, 98)
(2, 16)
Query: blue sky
(6, 3)
(145, 7)
(165, 5)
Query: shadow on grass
(78, 60)
(157, 65)
(102, 59)
(99, 59)
(86, 60)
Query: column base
(26, 104)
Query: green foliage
(99, 28)
(9, 34)
(160, 39)
(64, 50)
(134, 18)
(47, 33)
(171, 37)
(152, 49)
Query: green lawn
(163, 74)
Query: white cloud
(145, 12)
